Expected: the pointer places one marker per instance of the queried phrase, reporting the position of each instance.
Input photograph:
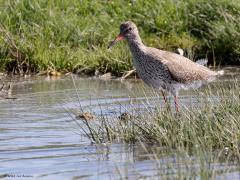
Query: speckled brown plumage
(161, 69)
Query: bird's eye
(127, 30)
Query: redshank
(163, 70)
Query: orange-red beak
(118, 38)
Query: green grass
(201, 141)
(72, 35)
(212, 125)
(169, 164)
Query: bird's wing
(182, 69)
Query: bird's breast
(152, 72)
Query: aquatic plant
(213, 123)
(201, 141)
(73, 35)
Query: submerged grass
(202, 141)
(168, 164)
(72, 35)
(213, 123)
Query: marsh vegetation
(122, 127)
(211, 120)
(73, 35)
(204, 132)
(133, 134)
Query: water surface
(40, 139)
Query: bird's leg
(164, 97)
(176, 103)
(167, 105)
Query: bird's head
(128, 30)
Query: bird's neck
(136, 45)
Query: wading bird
(163, 70)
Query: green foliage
(213, 124)
(72, 35)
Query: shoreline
(131, 74)
(36, 36)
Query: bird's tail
(220, 73)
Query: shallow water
(40, 139)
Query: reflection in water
(39, 138)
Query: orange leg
(176, 103)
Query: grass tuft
(213, 124)
(73, 35)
